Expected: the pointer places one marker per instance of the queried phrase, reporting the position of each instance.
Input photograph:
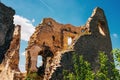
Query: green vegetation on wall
(33, 76)
(83, 71)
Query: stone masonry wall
(6, 28)
(88, 45)
(50, 40)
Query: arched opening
(39, 61)
(45, 53)
(69, 41)
(101, 25)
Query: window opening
(39, 61)
(69, 41)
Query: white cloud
(33, 20)
(27, 27)
(23, 54)
(115, 35)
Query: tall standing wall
(6, 28)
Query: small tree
(82, 70)
(107, 69)
(116, 53)
(33, 76)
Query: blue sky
(29, 13)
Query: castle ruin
(50, 40)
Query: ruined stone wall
(51, 33)
(99, 40)
(9, 45)
(50, 40)
(9, 66)
(6, 28)
(88, 45)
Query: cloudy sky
(29, 13)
